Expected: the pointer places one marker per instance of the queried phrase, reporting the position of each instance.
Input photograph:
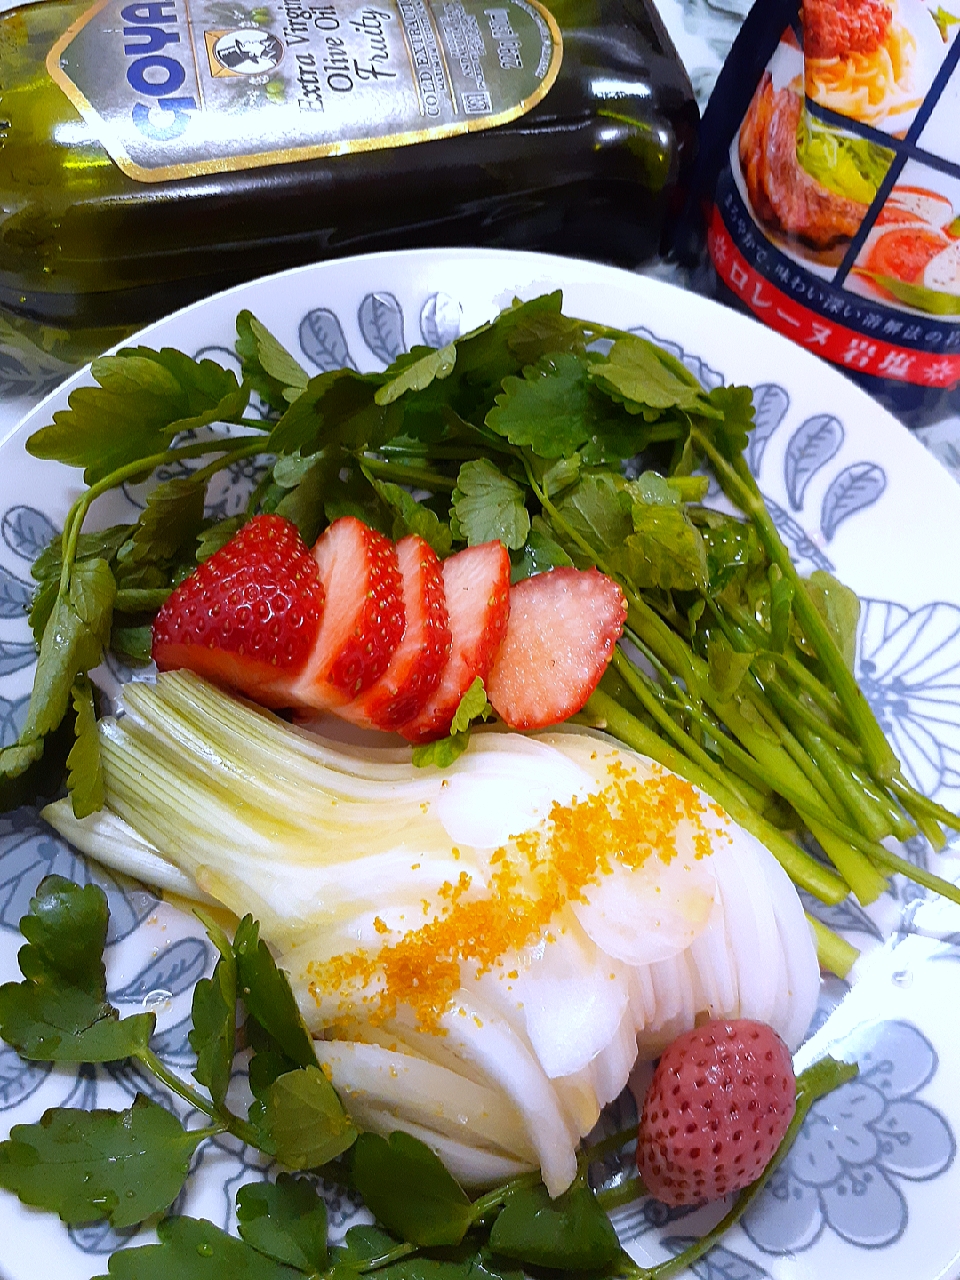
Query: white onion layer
(341, 844)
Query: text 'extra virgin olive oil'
(154, 151)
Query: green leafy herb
(416, 374)
(267, 366)
(214, 1032)
(194, 1249)
(443, 751)
(60, 1013)
(571, 1232)
(646, 380)
(384, 1170)
(85, 776)
(74, 636)
(489, 506)
(266, 993)
(167, 531)
(301, 1120)
(411, 516)
(285, 1220)
(144, 398)
(123, 1166)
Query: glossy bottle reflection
(590, 170)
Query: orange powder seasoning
(531, 879)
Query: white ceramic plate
(872, 1186)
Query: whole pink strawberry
(718, 1106)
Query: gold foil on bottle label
(174, 88)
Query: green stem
(901, 824)
(791, 744)
(915, 803)
(233, 447)
(803, 870)
(805, 1100)
(418, 477)
(611, 1198)
(385, 1259)
(866, 882)
(740, 487)
(833, 952)
(225, 1120)
(639, 686)
(652, 629)
(140, 599)
(608, 1146)
(861, 808)
(795, 712)
(781, 771)
(893, 862)
(500, 1195)
(759, 639)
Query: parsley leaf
(406, 1187)
(167, 530)
(361, 1246)
(194, 1249)
(335, 408)
(411, 516)
(266, 994)
(301, 1120)
(489, 506)
(214, 1031)
(85, 771)
(666, 549)
(540, 553)
(268, 1062)
(416, 371)
(571, 1231)
(267, 365)
(840, 609)
(551, 408)
(286, 1220)
(73, 642)
(88, 1165)
(60, 1012)
(647, 380)
(144, 398)
(442, 752)
(215, 536)
(731, 422)
(598, 510)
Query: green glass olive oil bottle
(153, 151)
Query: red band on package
(848, 348)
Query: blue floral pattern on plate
(865, 1152)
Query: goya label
(836, 216)
(174, 88)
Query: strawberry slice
(563, 626)
(476, 583)
(419, 659)
(247, 618)
(363, 616)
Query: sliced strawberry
(419, 659)
(476, 583)
(248, 617)
(563, 626)
(363, 616)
